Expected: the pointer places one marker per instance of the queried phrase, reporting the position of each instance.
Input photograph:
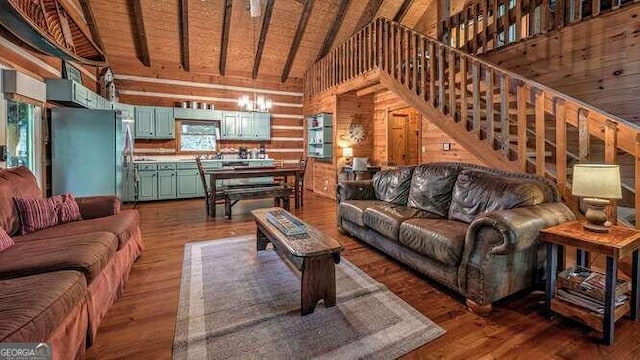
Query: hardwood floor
(140, 325)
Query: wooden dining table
(253, 172)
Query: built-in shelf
(320, 136)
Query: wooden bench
(278, 193)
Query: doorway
(403, 137)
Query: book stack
(586, 288)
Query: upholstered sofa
(57, 284)
(471, 228)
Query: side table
(618, 243)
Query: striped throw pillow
(5, 240)
(35, 214)
(67, 208)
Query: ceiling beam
(404, 8)
(333, 31)
(184, 33)
(302, 25)
(224, 39)
(91, 22)
(139, 34)
(368, 14)
(266, 21)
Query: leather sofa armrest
(517, 229)
(355, 190)
(500, 255)
(92, 207)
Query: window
(199, 135)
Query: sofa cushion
(386, 218)
(438, 239)
(36, 214)
(5, 240)
(123, 225)
(31, 307)
(15, 182)
(478, 192)
(431, 186)
(393, 185)
(88, 253)
(353, 210)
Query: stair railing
(532, 126)
(485, 25)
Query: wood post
(540, 133)
(452, 83)
(464, 110)
(522, 127)
(611, 157)
(561, 147)
(505, 84)
(637, 180)
(489, 79)
(475, 74)
(583, 135)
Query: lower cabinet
(180, 180)
(147, 185)
(166, 184)
(189, 184)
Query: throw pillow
(67, 208)
(35, 214)
(5, 240)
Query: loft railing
(532, 126)
(485, 25)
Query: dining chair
(209, 202)
(303, 169)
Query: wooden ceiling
(218, 37)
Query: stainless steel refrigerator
(87, 152)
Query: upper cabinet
(250, 126)
(74, 94)
(197, 114)
(154, 123)
(126, 111)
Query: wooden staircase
(504, 119)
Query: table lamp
(596, 184)
(347, 152)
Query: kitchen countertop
(174, 159)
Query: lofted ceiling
(155, 36)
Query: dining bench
(279, 194)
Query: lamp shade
(347, 152)
(597, 181)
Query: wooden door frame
(419, 119)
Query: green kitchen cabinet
(147, 185)
(165, 123)
(262, 126)
(154, 123)
(245, 124)
(145, 127)
(167, 184)
(230, 125)
(189, 184)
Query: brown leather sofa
(471, 228)
(57, 284)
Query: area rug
(238, 303)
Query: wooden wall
(346, 108)
(432, 137)
(286, 122)
(597, 61)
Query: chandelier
(258, 103)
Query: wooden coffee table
(314, 254)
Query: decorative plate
(357, 133)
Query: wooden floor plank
(140, 325)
